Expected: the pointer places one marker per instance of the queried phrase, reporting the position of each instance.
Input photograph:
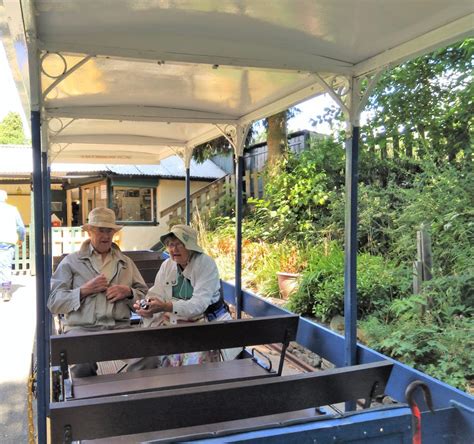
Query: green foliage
(11, 130)
(443, 199)
(322, 287)
(426, 104)
(297, 196)
(438, 339)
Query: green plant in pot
(292, 263)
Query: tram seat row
(163, 399)
(142, 342)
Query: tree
(11, 130)
(426, 104)
(277, 137)
(420, 109)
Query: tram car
(131, 81)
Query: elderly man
(96, 287)
(12, 231)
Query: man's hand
(117, 292)
(94, 286)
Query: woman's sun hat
(101, 217)
(187, 235)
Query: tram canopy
(127, 81)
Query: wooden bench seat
(210, 404)
(167, 378)
(143, 342)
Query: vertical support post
(46, 177)
(42, 364)
(68, 208)
(186, 156)
(110, 200)
(350, 241)
(237, 140)
(188, 195)
(239, 172)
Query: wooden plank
(248, 186)
(221, 429)
(167, 378)
(188, 407)
(139, 342)
(143, 255)
(255, 185)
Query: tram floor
(289, 368)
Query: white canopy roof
(165, 75)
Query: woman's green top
(183, 288)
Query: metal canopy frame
(181, 73)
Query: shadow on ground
(15, 287)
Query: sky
(10, 101)
(9, 98)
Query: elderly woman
(187, 289)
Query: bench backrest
(148, 263)
(188, 407)
(140, 342)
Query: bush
(442, 351)
(431, 331)
(321, 291)
(298, 195)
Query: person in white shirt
(12, 231)
(186, 289)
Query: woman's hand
(155, 305)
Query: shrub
(321, 291)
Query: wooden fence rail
(64, 240)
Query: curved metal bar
(412, 388)
(64, 75)
(43, 58)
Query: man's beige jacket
(93, 312)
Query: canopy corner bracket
(236, 135)
(352, 99)
(57, 79)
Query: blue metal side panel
(434, 430)
(388, 426)
(330, 346)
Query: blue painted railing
(454, 417)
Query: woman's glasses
(174, 245)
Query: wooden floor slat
(109, 367)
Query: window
(133, 204)
(93, 195)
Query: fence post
(423, 265)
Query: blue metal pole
(239, 173)
(350, 262)
(46, 177)
(188, 196)
(42, 363)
